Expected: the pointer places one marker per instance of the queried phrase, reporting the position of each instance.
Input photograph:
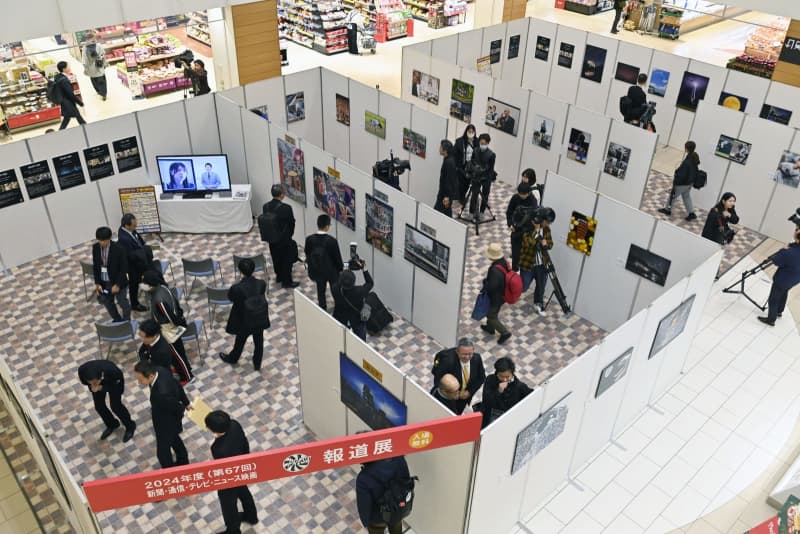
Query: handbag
(527, 278)
(171, 332)
(482, 304)
(364, 313)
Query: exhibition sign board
(787, 69)
(141, 201)
(214, 475)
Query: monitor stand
(224, 194)
(194, 194)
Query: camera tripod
(745, 275)
(473, 194)
(558, 291)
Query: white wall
(629, 190)
(593, 95)
(587, 173)
(684, 118)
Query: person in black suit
(464, 147)
(324, 259)
(502, 390)
(485, 158)
(156, 349)
(110, 262)
(168, 402)
(522, 199)
(104, 377)
(466, 365)
(348, 299)
(69, 100)
(249, 315)
(167, 312)
(371, 483)
(619, 7)
(506, 122)
(448, 179)
(230, 441)
(140, 257)
(448, 391)
(283, 255)
(638, 98)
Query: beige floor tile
(8, 486)
(14, 505)
(24, 522)
(724, 517)
(701, 527)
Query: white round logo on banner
(296, 462)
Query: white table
(213, 215)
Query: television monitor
(186, 174)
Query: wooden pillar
(787, 70)
(514, 9)
(255, 35)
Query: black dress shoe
(766, 321)
(290, 285)
(503, 338)
(250, 521)
(129, 433)
(486, 329)
(139, 308)
(108, 431)
(224, 358)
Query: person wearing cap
(495, 287)
(348, 299)
(516, 216)
(466, 365)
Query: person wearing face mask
(683, 181)
(448, 179)
(464, 147)
(501, 391)
(485, 158)
(719, 218)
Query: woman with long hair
(719, 218)
(464, 147)
(683, 181)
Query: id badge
(104, 274)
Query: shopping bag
(481, 308)
(527, 278)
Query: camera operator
(448, 179)
(638, 100)
(515, 215)
(348, 298)
(785, 278)
(484, 158)
(465, 147)
(197, 73)
(536, 240)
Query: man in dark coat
(485, 158)
(683, 181)
(283, 251)
(69, 100)
(168, 402)
(785, 278)
(110, 264)
(140, 256)
(522, 199)
(448, 391)
(448, 179)
(230, 441)
(104, 377)
(197, 73)
(638, 99)
(501, 391)
(166, 310)
(466, 366)
(157, 350)
(324, 259)
(348, 299)
(249, 315)
(371, 484)
(619, 7)
(495, 288)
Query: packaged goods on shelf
(316, 25)
(23, 97)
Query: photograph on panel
(543, 135)
(648, 265)
(731, 101)
(292, 171)
(428, 254)
(414, 143)
(733, 149)
(565, 55)
(261, 111)
(775, 114)
(335, 198)
(98, 162)
(693, 90)
(578, 146)
(671, 326)
(342, 109)
(540, 433)
(126, 152)
(542, 48)
(626, 73)
(659, 80)
(10, 192)
(502, 116)
(69, 170)
(367, 397)
(425, 86)
(375, 124)
(37, 179)
(295, 107)
(380, 224)
(581, 232)
(617, 160)
(462, 95)
(594, 61)
(613, 372)
(788, 172)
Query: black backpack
(625, 105)
(700, 179)
(256, 312)
(397, 499)
(317, 262)
(53, 92)
(268, 227)
(379, 317)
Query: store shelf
(25, 103)
(316, 25)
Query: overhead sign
(790, 53)
(214, 475)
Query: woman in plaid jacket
(535, 240)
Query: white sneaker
(540, 310)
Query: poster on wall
(10, 192)
(671, 326)
(335, 198)
(380, 224)
(578, 146)
(613, 372)
(648, 265)
(69, 170)
(659, 80)
(142, 202)
(342, 109)
(542, 48)
(126, 152)
(292, 170)
(425, 86)
(731, 101)
(775, 114)
(513, 46)
(626, 73)
(594, 62)
(581, 232)
(375, 124)
(261, 111)
(37, 178)
(543, 431)
(733, 149)
(461, 97)
(543, 135)
(98, 162)
(788, 172)
(367, 397)
(495, 49)
(617, 160)
(565, 55)
(295, 107)
(428, 254)
(484, 65)
(414, 142)
(693, 90)
(502, 116)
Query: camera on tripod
(355, 261)
(525, 218)
(389, 170)
(795, 218)
(187, 56)
(475, 172)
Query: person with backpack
(249, 314)
(348, 299)
(324, 259)
(637, 100)
(62, 93)
(381, 491)
(518, 211)
(94, 66)
(276, 224)
(720, 217)
(499, 281)
(166, 311)
(686, 177)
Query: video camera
(524, 217)
(795, 218)
(389, 170)
(355, 261)
(474, 171)
(187, 56)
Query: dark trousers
(358, 327)
(110, 301)
(182, 366)
(493, 320)
(380, 528)
(238, 347)
(485, 190)
(540, 279)
(463, 186)
(777, 301)
(321, 288)
(282, 261)
(134, 277)
(65, 120)
(617, 16)
(516, 249)
(166, 442)
(229, 502)
(100, 85)
(119, 409)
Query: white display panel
(268, 93)
(642, 145)
(635, 56)
(534, 156)
(683, 118)
(445, 72)
(783, 204)
(665, 105)
(470, 44)
(437, 304)
(398, 114)
(310, 84)
(604, 271)
(38, 18)
(495, 32)
(506, 146)
(497, 495)
(336, 135)
(423, 178)
(320, 339)
(595, 125)
(513, 68)
(364, 145)
(258, 148)
(536, 75)
(78, 15)
(414, 59)
(362, 184)
(232, 138)
(593, 95)
(444, 48)
(234, 94)
(564, 80)
(313, 157)
(163, 130)
(753, 88)
(785, 97)
(201, 115)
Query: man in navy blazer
(785, 278)
(138, 253)
(110, 265)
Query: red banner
(213, 475)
